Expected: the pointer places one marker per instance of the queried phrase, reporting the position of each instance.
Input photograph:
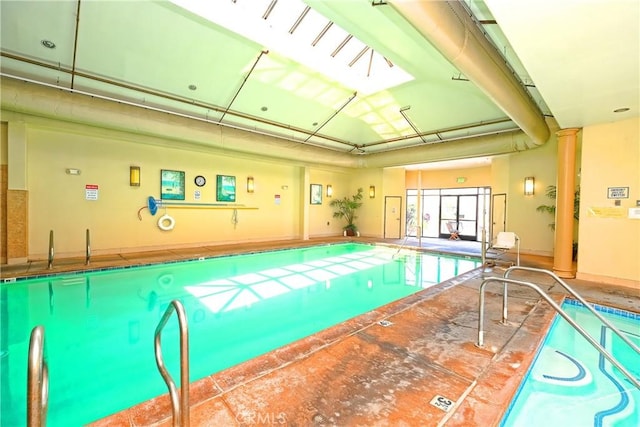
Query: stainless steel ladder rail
(573, 293)
(87, 258)
(418, 231)
(179, 404)
(560, 311)
(37, 380)
(51, 251)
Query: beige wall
(56, 201)
(609, 241)
(536, 237)
(506, 175)
(447, 178)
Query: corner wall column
(563, 248)
(17, 196)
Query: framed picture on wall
(316, 194)
(225, 188)
(171, 184)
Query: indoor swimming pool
(571, 384)
(99, 326)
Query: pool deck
(361, 373)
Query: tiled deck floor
(360, 373)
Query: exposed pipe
(178, 114)
(450, 28)
(490, 145)
(415, 129)
(75, 44)
(437, 132)
(333, 115)
(160, 95)
(264, 52)
(51, 102)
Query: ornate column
(563, 249)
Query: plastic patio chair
(505, 241)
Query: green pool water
(99, 327)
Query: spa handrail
(37, 380)
(573, 293)
(561, 312)
(179, 404)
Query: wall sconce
(134, 176)
(250, 184)
(329, 190)
(372, 191)
(529, 186)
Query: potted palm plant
(346, 209)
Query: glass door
(460, 212)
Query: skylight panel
(270, 24)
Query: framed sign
(617, 192)
(316, 194)
(225, 188)
(171, 184)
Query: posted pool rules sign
(91, 192)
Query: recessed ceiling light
(48, 44)
(264, 108)
(315, 123)
(193, 87)
(621, 110)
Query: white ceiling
(579, 60)
(583, 55)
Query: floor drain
(385, 323)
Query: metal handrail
(87, 259)
(51, 252)
(561, 312)
(573, 293)
(37, 380)
(180, 405)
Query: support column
(563, 249)
(17, 194)
(305, 194)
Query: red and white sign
(91, 192)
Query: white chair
(454, 230)
(505, 241)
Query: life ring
(166, 226)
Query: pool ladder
(179, 402)
(37, 380)
(506, 280)
(51, 252)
